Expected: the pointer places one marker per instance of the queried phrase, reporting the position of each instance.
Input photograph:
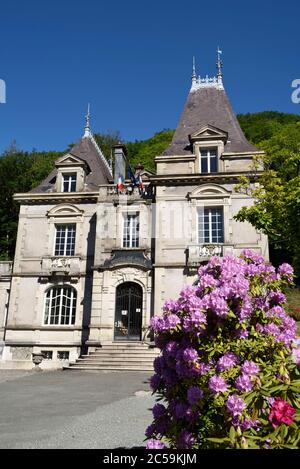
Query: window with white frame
(60, 306)
(69, 182)
(208, 160)
(211, 225)
(131, 229)
(65, 237)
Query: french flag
(120, 184)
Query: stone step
(125, 349)
(125, 356)
(115, 360)
(108, 356)
(125, 352)
(75, 367)
(126, 344)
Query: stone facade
(130, 251)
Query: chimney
(120, 153)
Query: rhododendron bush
(227, 375)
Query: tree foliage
(19, 172)
(144, 151)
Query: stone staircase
(118, 356)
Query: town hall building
(94, 263)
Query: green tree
(261, 126)
(19, 172)
(107, 140)
(144, 151)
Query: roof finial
(87, 129)
(219, 64)
(194, 76)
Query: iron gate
(128, 317)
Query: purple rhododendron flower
(243, 383)
(242, 333)
(158, 411)
(205, 363)
(172, 348)
(235, 405)
(171, 321)
(170, 306)
(250, 368)
(216, 303)
(185, 440)
(296, 354)
(217, 384)
(194, 322)
(150, 431)
(190, 354)
(157, 323)
(194, 395)
(181, 410)
(246, 423)
(155, 382)
(277, 297)
(155, 444)
(286, 270)
(272, 329)
(207, 281)
(228, 360)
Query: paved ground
(65, 409)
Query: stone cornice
(56, 197)
(175, 158)
(187, 179)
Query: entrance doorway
(128, 315)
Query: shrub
(227, 375)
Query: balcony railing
(61, 265)
(198, 253)
(110, 194)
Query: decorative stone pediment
(207, 191)
(70, 160)
(126, 257)
(209, 132)
(64, 210)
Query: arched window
(60, 306)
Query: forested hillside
(277, 133)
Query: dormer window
(69, 182)
(208, 160)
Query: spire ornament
(194, 75)
(87, 128)
(219, 64)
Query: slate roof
(208, 106)
(87, 150)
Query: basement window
(63, 355)
(47, 354)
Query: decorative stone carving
(207, 82)
(21, 353)
(62, 263)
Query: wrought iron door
(128, 315)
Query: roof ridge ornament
(194, 75)
(89, 134)
(87, 128)
(219, 63)
(199, 82)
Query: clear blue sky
(132, 60)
